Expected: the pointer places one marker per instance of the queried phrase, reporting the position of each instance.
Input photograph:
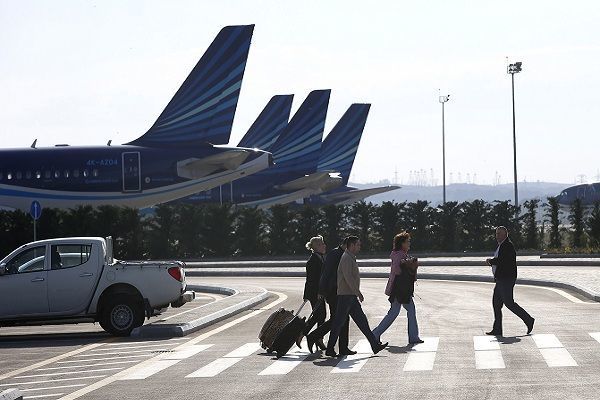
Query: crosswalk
(139, 361)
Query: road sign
(35, 210)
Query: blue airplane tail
(203, 108)
(269, 124)
(340, 146)
(297, 148)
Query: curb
(443, 277)
(180, 330)
(11, 394)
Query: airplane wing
(195, 168)
(317, 182)
(356, 195)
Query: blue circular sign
(35, 210)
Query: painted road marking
(287, 363)
(356, 361)
(225, 362)
(487, 353)
(422, 355)
(55, 380)
(596, 335)
(553, 351)
(87, 371)
(105, 359)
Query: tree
(576, 219)
(530, 224)
(360, 219)
(216, 230)
(333, 221)
(128, 241)
(161, 242)
(278, 226)
(446, 228)
(416, 219)
(593, 225)
(387, 221)
(553, 212)
(187, 230)
(476, 229)
(249, 232)
(503, 213)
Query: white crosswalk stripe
(487, 353)
(422, 355)
(553, 351)
(596, 335)
(287, 363)
(356, 361)
(227, 361)
(151, 367)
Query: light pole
(512, 70)
(443, 100)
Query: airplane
(589, 194)
(338, 152)
(295, 153)
(181, 154)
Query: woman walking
(400, 288)
(314, 268)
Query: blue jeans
(393, 312)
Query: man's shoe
(494, 333)
(530, 326)
(378, 347)
(330, 353)
(299, 340)
(347, 352)
(418, 341)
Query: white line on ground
(422, 355)
(104, 359)
(228, 360)
(596, 335)
(142, 346)
(87, 371)
(287, 363)
(281, 298)
(553, 351)
(356, 361)
(88, 365)
(55, 380)
(119, 352)
(40, 396)
(487, 353)
(52, 388)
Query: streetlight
(443, 100)
(512, 70)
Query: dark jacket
(404, 285)
(314, 268)
(328, 283)
(506, 262)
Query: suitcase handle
(301, 307)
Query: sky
(84, 72)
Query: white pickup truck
(76, 280)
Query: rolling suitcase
(280, 331)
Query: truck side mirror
(3, 269)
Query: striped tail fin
(269, 124)
(203, 108)
(340, 146)
(297, 148)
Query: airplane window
(19, 175)
(38, 174)
(85, 173)
(47, 174)
(66, 173)
(9, 176)
(57, 174)
(28, 174)
(75, 173)
(94, 172)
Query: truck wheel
(121, 314)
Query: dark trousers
(348, 305)
(317, 316)
(503, 295)
(322, 330)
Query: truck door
(23, 289)
(72, 277)
(132, 178)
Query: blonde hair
(310, 245)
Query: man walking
(349, 299)
(504, 268)
(328, 291)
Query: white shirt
(496, 256)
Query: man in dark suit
(328, 290)
(504, 268)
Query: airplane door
(132, 177)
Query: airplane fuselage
(132, 176)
